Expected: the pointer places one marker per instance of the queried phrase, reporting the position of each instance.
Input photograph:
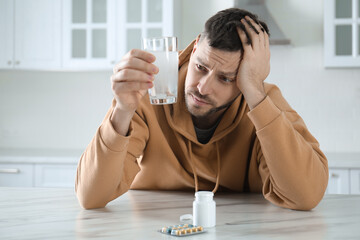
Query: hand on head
(255, 61)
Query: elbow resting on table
(311, 193)
(88, 203)
(303, 197)
(306, 205)
(88, 200)
(303, 203)
(310, 198)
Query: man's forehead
(209, 56)
(205, 43)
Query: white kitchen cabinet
(145, 18)
(89, 36)
(98, 33)
(6, 33)
(16, 175)
(38, 167)
(355, 181)
(79, 34)
(342, 33)
(344, 181)
(30, 34)
(37, 175)
(344, 172)
(339, 181)
(55, 175)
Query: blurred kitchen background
(56, 59)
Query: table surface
(44, 213)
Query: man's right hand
(131, 79)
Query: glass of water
(165, 86)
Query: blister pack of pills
(182, 230)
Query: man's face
(210, 84)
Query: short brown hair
(221, 29)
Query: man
(228, 131)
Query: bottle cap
(204, 195)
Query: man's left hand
(255, 64)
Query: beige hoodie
(268, 150)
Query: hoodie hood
(179, 117)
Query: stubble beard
(197, 114)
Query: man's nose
(205, 86)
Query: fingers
(266, 39)
(252, 25)
(137, 59)
(130, 80)
(255, 31)
(126, 87)
(141, 54)
(134, 72)
(129, 75)
(244, 39)
(137, 64)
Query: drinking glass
(164, 90)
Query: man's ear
(196, 44)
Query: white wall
(51, 109)
(195, 13)
(63, 110)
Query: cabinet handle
(10, 170)
(9, 62)
(112, 62)
(334, 175)
(17, 62)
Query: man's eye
(227, 80)
(201, 68)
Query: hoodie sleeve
(107, 168)
(293, 170)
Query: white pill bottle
(204, 209)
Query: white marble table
(40, 213)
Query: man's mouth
(198, 100)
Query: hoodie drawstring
(218, 168)
(194, 167)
